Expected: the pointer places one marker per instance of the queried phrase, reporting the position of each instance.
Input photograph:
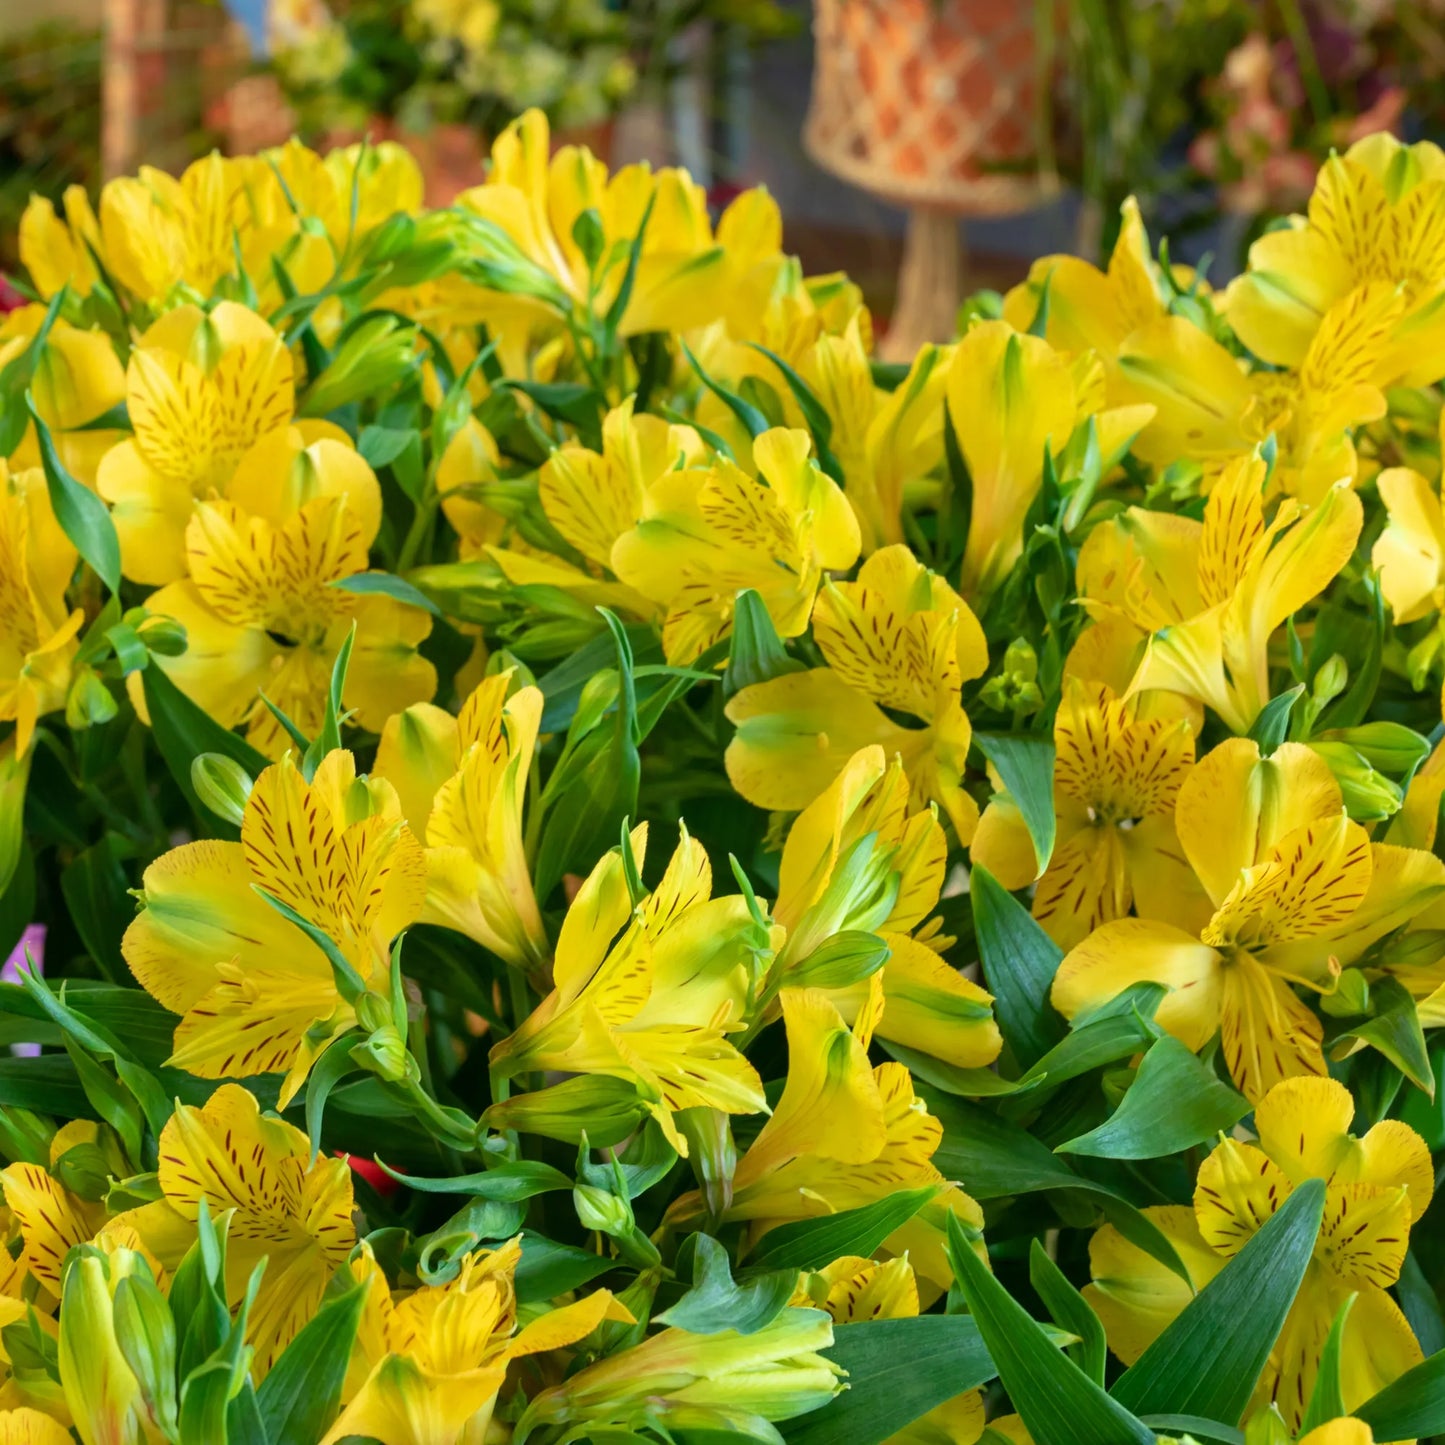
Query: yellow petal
(51, 1220)
(1410, 552)
(417, 753)
(24, 1426)
(1266, 1033)
(1139, 950)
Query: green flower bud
(375, 354)
(84, 1170)
(222, 784)
(1330, 681)
(385, 1054)
(1369, 796)
(1388, 747)
(712, 1154)
(89, 702)
(146, 1334)
(163, 636)
(602, 1210)
(605, 1109)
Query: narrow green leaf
(1207, 1361)
(754, 422)
(1019, 962)
(1059, 1403)
(83, 517)
(1026, 767)
(1412, 1407)
(386, 584)
(1193, 1425)
(1394, 1029)
(548, 1269)
(506, 1184)
(1327, 1399)
(349, 984)
(812, 1243)
(1070, 1311)
(897, 1370)
(1174, 1103)
(1271, 727)
(327, 1072)
(757, 653)
(301, 1394)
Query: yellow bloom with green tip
(648, 992)
(1210, 595)
(1298, 891)
(858, 859)
(260, 606)
(256, 995)
(435, 1358)
(1376, 1187)
(286, 1207)
(900, 638)
(201, 389)
(38, 629)
(1375, 217)
(685, 270)
(707, 534)
(462, 783)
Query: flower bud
(222, 784)
(602, 1210)
(1388, 747)
(605, 1109)
(1330, 681)
(1369, 796)
(712, 1154)
(163, 636)
(373, 357)
(146, 1335)
(385, 1054)
(1350, 997)
(105, 1397)
(89, 702)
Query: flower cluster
(611, 867)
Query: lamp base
(928, 284)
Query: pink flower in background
(32, 941)
(10, 298)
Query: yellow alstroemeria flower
(57, 252)
(842, 1135)
(1011, 396)
(1211, 594)
(200, 389)
(289, 1209)
(1090, 309)
(648, 993)
(927, 1004)
(1116, 778)
(255, 994)
(259, 606)
(24, 1426)
(1211, 410)
(707, 534)
(437, 1357)
(462, 783)
(686, 276)
(899, 637)
(37, 629)
(1375, 216)
(78, 377)
(1376, 1187)
(1299, 891)
(593, 498)
(853, 1291)
(49, 1218)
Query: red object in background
(374, 1175)
(10, 298)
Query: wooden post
(119, 122)
(928, 284)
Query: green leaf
(897, 1370)
(569, 402)
(508, 1183)
(994, 1159)
(1193, 1425)
(1059, 1403)
(382, 445)
(1207, 1361)
(328, 1071)
(562, 687)
(754, 422)
(19, 372)
(1327, 1399)
(1019, 962)
(1026, 767)
(83, 517)
(1174, 1103)
(757, 653)
(951, 1078)
(349, 984)
(716, 1303)
(1071, 1312)
(14, 775)
(299, 1398)
(548, 1269)
(1271, 727)
(1100, 1039)
(620, 302)
(812, 1243)
(183, 731)
(95, 887)
(1394, 1029)
(386, 584)
(1412, 1407)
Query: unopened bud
(163, 636)
(1368, 796)
(222, 784)
(89, 702)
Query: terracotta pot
(922, 101)
(597, 138)
(452, 158)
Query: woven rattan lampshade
(929, 104)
